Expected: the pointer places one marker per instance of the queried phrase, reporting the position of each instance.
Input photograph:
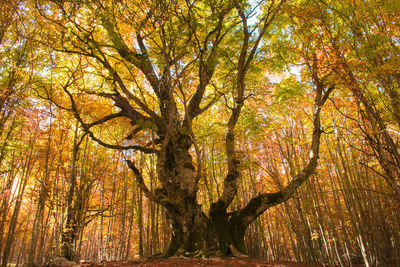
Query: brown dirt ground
(183, 262)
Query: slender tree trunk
(5, 202)
(5, 192)
(140, 222)
(37, 228)
(101, 247)
(28, 165)
(131, 219)
(122, 233)
(68, 235)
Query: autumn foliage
(206, 128)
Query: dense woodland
(200, 128)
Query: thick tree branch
(244, 61)
(104, 119)
(265, 201)
(139, 60)
(157, 119)
(86, 127)
(141, 183)
(207, 65)
(269, 17)
(103, 60)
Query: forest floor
(183, 262)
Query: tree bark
(68, 235)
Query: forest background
(66, 187)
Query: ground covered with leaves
(183, 262)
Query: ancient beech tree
(162, 64)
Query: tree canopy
(218, 110)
